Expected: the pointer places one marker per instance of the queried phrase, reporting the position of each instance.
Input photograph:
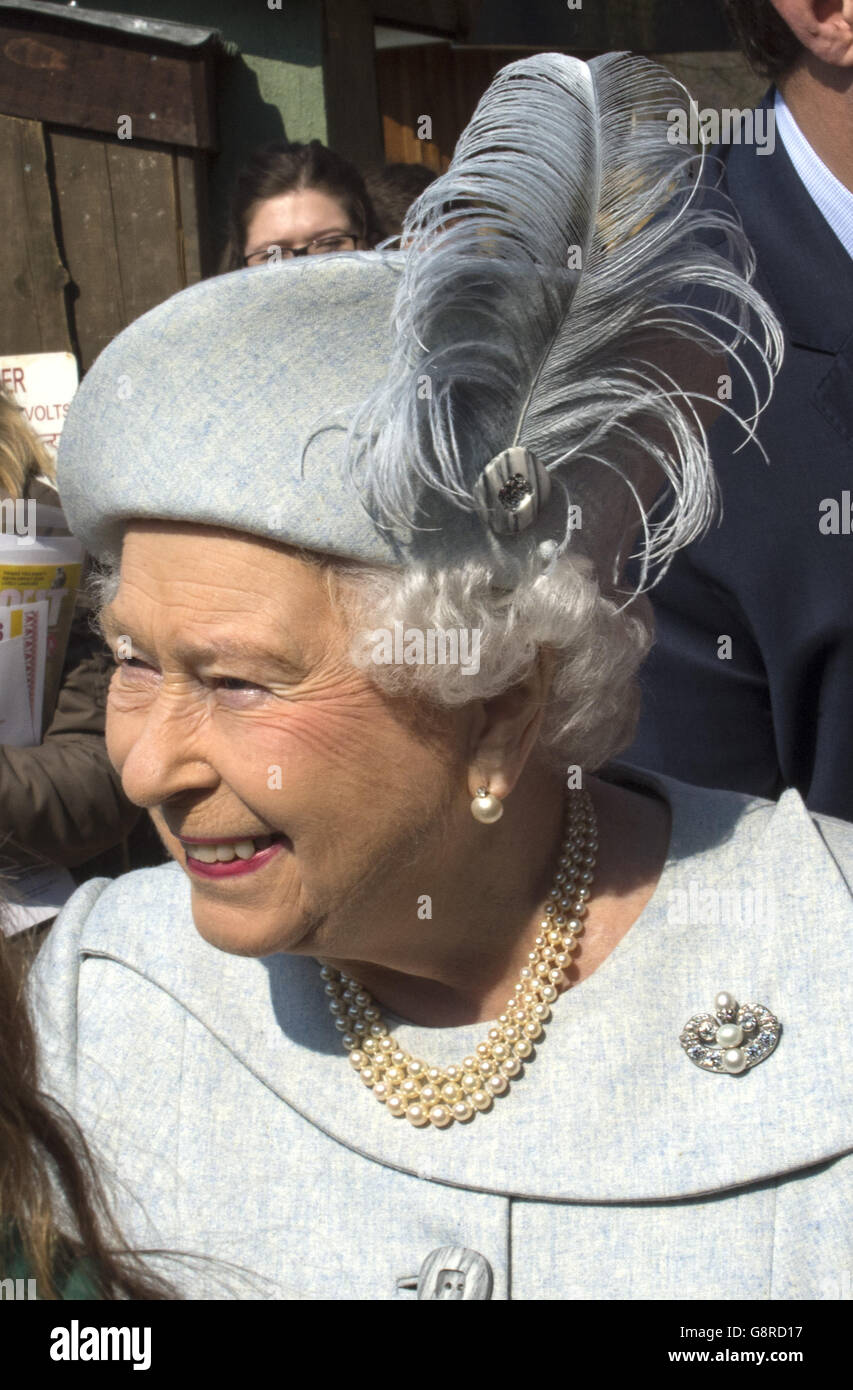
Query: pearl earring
(485, 807)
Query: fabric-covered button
(452, 1273)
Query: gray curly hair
(597, 643)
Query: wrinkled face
(295, 219)
(235, 715)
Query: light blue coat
(217, 1088)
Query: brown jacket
(62, 800)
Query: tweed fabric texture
(216, 1087)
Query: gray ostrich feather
(566, 244)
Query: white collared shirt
(828, 193)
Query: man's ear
(506, 728)
(824, 27)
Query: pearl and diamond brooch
(733, 1039)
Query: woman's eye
(227, 684)
(233, 683)
(234, 693)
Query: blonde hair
(23, 457)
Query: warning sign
(43, 384)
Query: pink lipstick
(231, 867)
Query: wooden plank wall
(349, 82)
(70, 73)
(432, 80)
(33, 276)
(100, 230)
(446, 84)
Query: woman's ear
(506, 728)
(824, 27)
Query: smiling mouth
(225, 851)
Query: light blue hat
(205, 409)
(485, 394)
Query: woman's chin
(245, 933)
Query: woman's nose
(168, 753)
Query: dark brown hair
(762, 33)
(285, 167)
(40, 1142)
(392, 191)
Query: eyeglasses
(320, 247)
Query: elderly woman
(436, 1000)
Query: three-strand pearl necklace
(440, 1095)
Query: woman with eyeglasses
(297, 200)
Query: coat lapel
(807, 270)
(802, 266)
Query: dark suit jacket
(780, 711)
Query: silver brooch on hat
(733, 1039)
(512, 490)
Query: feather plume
(548, 277)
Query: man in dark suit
(750, 683)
